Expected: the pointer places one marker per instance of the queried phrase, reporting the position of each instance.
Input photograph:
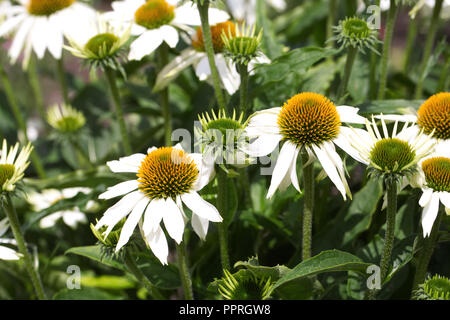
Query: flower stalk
(431, 34)
(351, 56)
(35, 87)
(162, 56)
(184, 271)
(141, 277)
(203, 7)
(425, 254)
(243, 91)
(222, 206)
(390, 24)
(110, 75)
(308, 206)
(10, 212)
(62, 79)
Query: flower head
(216, 34)
(11, 168)
(357, 33)
(223, 137)
(158, 21)
(65, 118)
(39, 25)
(310, 122)
(434, 288)
(99, 42)
(245, 286)
(434, 115)
(242, 44)
(395, 155)
(166, 178)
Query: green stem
(443, 78)
(18, 115)
(431, 34)
(410, 40)
(15, 227)
(62, 79)
(243, 72)
(184, 271)
(203, 11)
(391, 211)
(308, 206)
(351, 55)
(141, 277)
(390, 24)
(330, 21)
(222, 207)
(163, 58)
(36, 88)
(110, 75)
(426, 252)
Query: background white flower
(158, 21)
(246, 9)
(39, 26)
(6, 253)
(43, 200)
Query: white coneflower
(433, 178)
(7, 253)
(98, 41)
(40, 24)
(246, 9)
(158, 21)
(166, 178)
(46, 198)
(197, 57)
(11, 168)
(307, 121)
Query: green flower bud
(65, 118)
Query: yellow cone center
(47, 7)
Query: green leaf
(326, 261)
(269, 43)
(95, 253)
(84, 294)
(274, 273)
(107, 282)
(390, 106)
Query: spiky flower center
(392, 154)
(356, 28)
(6, 172)
(434, 114)
(47, 7)
(167, 172)
(154, 14)
(437, 288)
(437, 173)
(216, 35)
(309, 118)
(102, 44)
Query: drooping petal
(131, 223)
(158, 244)
(228, 75)
(201, 207)
(73, 218)
(173, 220)
(263, 145)
(153, 215)
(8, 254)
(426, 197)
(200, 226)
(145, 44)
(445, 198)
(429, 214)
(170, 35)
(284, 161)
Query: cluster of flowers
(168, 177)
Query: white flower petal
(170, 35)
(350, 115)
(73, 218)
(228, 75)
(131, 223)
(429, 214)
(343, 142)
(119, 189)
(126, 164)
(445, 198)
(145, 44)
(263, 145)
(50, 220)
(201, 207)
(158, 244)
(284, 161)
(173, 220)
(200, 226)
(426, 197)
(153, 215)
(8, 254)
